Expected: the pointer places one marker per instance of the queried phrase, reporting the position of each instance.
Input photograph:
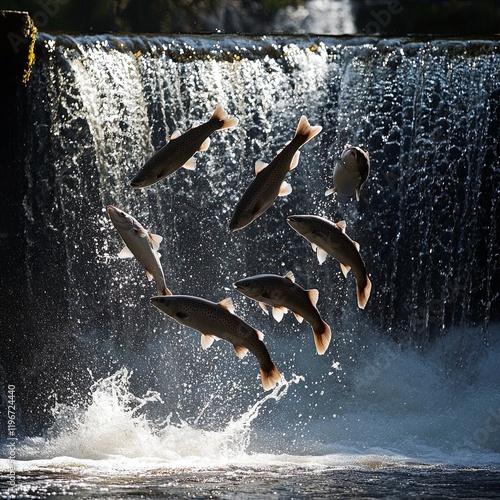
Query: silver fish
(141, 245)
(269, 181)
(327, 237)
(218, 320)
(179, 151)
(283, 294)
(350, 173)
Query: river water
(110, 399)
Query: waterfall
(96, 108)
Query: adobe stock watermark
(11, 434)
(383, 17)
(48, 9)
(373, 371)
(490, 427)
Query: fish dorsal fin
(345, 269)
(206, 340)
(205, 144)
(279, 312)
(263, 306)
(298, 317)
(341, 224)
(260, 335)
(240, 351)
(313, 296)
(125, 253)
(330, 191)
(190, 164)
(149, 275)
(321, 254)
(175, 135)
(285, 189)
(356, 244)
(155, 240)
(227, 304)
(289, 276)
(259, 166)
(295, 160)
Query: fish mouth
(239, 286)
(350, 151)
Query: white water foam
(402, 409)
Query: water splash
(115, 423)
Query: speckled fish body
(283, 294)
(179, 151)
(141, 245)
(327, 237)
(350, 173)
(269, 182)
(218, 320)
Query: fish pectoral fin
(357, 194)
(295, 160)
(259, 166)
(227, 304)
(206, 340)
(313, 295)
(321, 254)
(356, 244)
(240, 351)
(175, 135)
(205, 144)
(345, 269)
(330, 191)
(263, 306)
(190, 164)
(285, 189)
(155, 240)
(314, 246)
(260, 335)
(125, 253)
(289, 276)
(149, 275)
(279, 312)
(298, 317)
(341, 224)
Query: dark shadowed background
(387, 17)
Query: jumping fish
(141, 245)
(350, 173)
(179, 151)
(283, 294)
(327, 237)
(269, 180)
(219, 320)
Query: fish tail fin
(164, 291)
(270, 377)
(363, 292)
(221, 115)
(322, 338)
(305, 129)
